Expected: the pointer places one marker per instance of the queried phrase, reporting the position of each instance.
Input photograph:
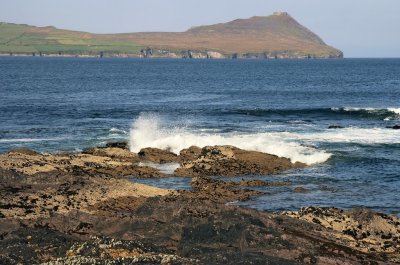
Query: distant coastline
(182, 55)
(278, 36)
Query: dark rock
(122, 145)
(133, 171)
(395, 127)
(327, 188)
(81, 213)
(261, 183)
(335, 127)
(218, 190)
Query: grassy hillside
(278, 35)
(49, 40)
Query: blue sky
(360, 28)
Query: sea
(282, 107)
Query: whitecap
(149, 130)
(27, 140)
(116, 130)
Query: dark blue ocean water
(278, 106)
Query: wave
(26, 140)
(379, 113)
(116, 130)
(149, 130)
(365, 113)
(348, 135)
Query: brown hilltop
(277, 34)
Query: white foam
(395, 110)
(148, 131)
(371, 110)
(349, 135)
(26, 140)
(116, 130)
(166, 168)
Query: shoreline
(199, 57)
(81, 207)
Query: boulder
(24, 151)
(190, 153)
(335, 127)
(158, 155)
(300, 190)
(122, 145)
(231, 161)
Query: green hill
(275, 36)
(24, 39)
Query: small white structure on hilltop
(279, 13)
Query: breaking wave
(361, 113)
(349, 135)
(149, 130)
(28, 140)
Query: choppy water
(282, 107)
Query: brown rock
(157, 155)
(24, 151)
(190, 153)
(134, 171)
(114, 153)
(217, 190)
(232, 161)
(300, 190)
(360, 229)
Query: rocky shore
(82, 208)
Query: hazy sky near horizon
(360, 28)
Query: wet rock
(360, 229)
(395, 127)
(262, 183)
(42, 195)
(335, 127)
(114, 153)
(24, 151)
(300, 190)
(131, 171)
(112, 162)
(200, 230)
(157, 155)
(101, 220)
(190, 153)
(72, 208)
(327, 188)
(121, 145)
(232, 161)
(218, 190)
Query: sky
(360, 28)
